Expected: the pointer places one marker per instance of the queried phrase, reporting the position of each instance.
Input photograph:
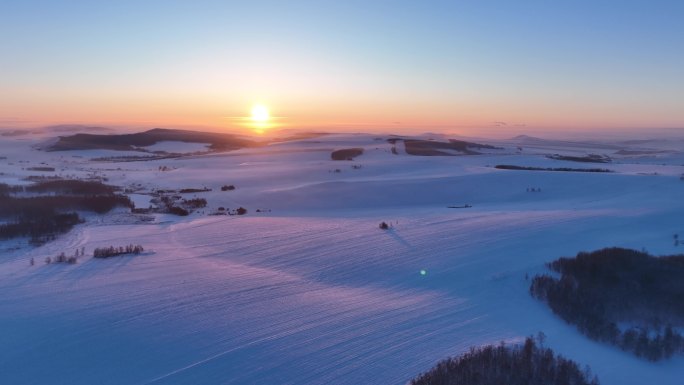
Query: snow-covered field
(311, 291)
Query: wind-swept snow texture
(313, 292)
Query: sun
(260, 113)
(260, 119)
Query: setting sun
(260, 113)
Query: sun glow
(260, 113)
(260, 119)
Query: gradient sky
(465, 67)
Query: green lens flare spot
(423, 272)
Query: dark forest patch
(601, 290)
(346, 153)
(527, 364)
(43, 217)
(435, 148)
(41, 168)
(72, 187)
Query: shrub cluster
(194, 190)
(238, 211)
(62, 258)
(173, 204)
(195, 203)
(177, 210)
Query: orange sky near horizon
(387, 116)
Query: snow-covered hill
(311, 291)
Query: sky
(469, 67)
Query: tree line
(562, 169)
(111, 251)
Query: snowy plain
(311, 291)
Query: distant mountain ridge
(130, 142)
(75, 128)
(449, 148)
(535, 141)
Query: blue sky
(415, 64)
